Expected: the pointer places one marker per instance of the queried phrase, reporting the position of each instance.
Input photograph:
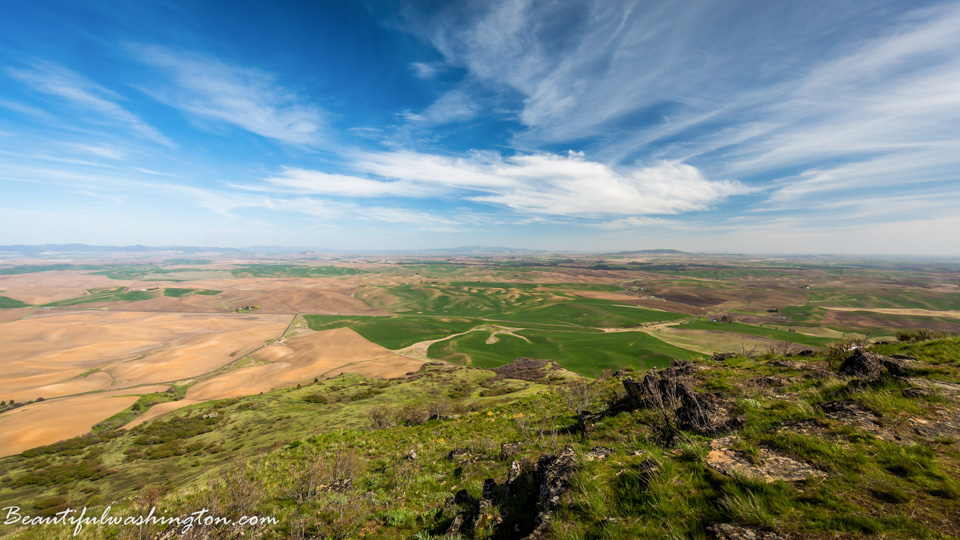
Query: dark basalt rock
(508, 450)
(672, 391)
(458, 454)
(553, 477)
(871, 366)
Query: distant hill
(87, 248)
(653, 252)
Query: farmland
(176, 322)
(117, 372)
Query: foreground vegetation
(353, 457)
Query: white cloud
(58, 81)
(320, 183)
(547, 184)
(426, 70)
(247, 98)
(453, 106)
(847, 97)
(104, 151)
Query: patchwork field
(121, 344)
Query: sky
(710, 126)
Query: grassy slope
(394, 332)
(291, 270)
(179, 292)
(875, 488)
(509, 302)
(585, 353)
(110, 294)
(6, 303)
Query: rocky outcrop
(730, 531)
(598, 453)
(920, 387)
(525, 369)
(465, 507)
(508, 450)
(768, 466)
(671, 391)
(871, 366)
(553, 478)
(852, 413)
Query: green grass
(534, 286)
(109, 294)
(509, 302)
(178, 293)
(33, 268)
(7, 303)
(593, 313)
(290, 270)
(741, 328)
(585, 353)
(807, 312)
(394, 332)
(874, 488)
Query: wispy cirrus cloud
(247, 98)
(426, 70)
(813, 100)
(453, 106)
(84, 94)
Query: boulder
(871, 366)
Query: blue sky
(717, 126)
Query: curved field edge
(588, 354)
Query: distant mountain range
(87, 248)
(652, 252)
(277, 250)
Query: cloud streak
(83, 93)
(247, 98)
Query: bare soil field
(47, 354)
(293, 361)
(302, 295)
(54, 420)
(709, 341)
(7, 315)
(654, 303)
(914, 312)
(868, 318)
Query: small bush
(413, 415)
(921, 334)
(381, 416)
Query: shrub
(413, 415)
(921, 334)
(381, 416)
